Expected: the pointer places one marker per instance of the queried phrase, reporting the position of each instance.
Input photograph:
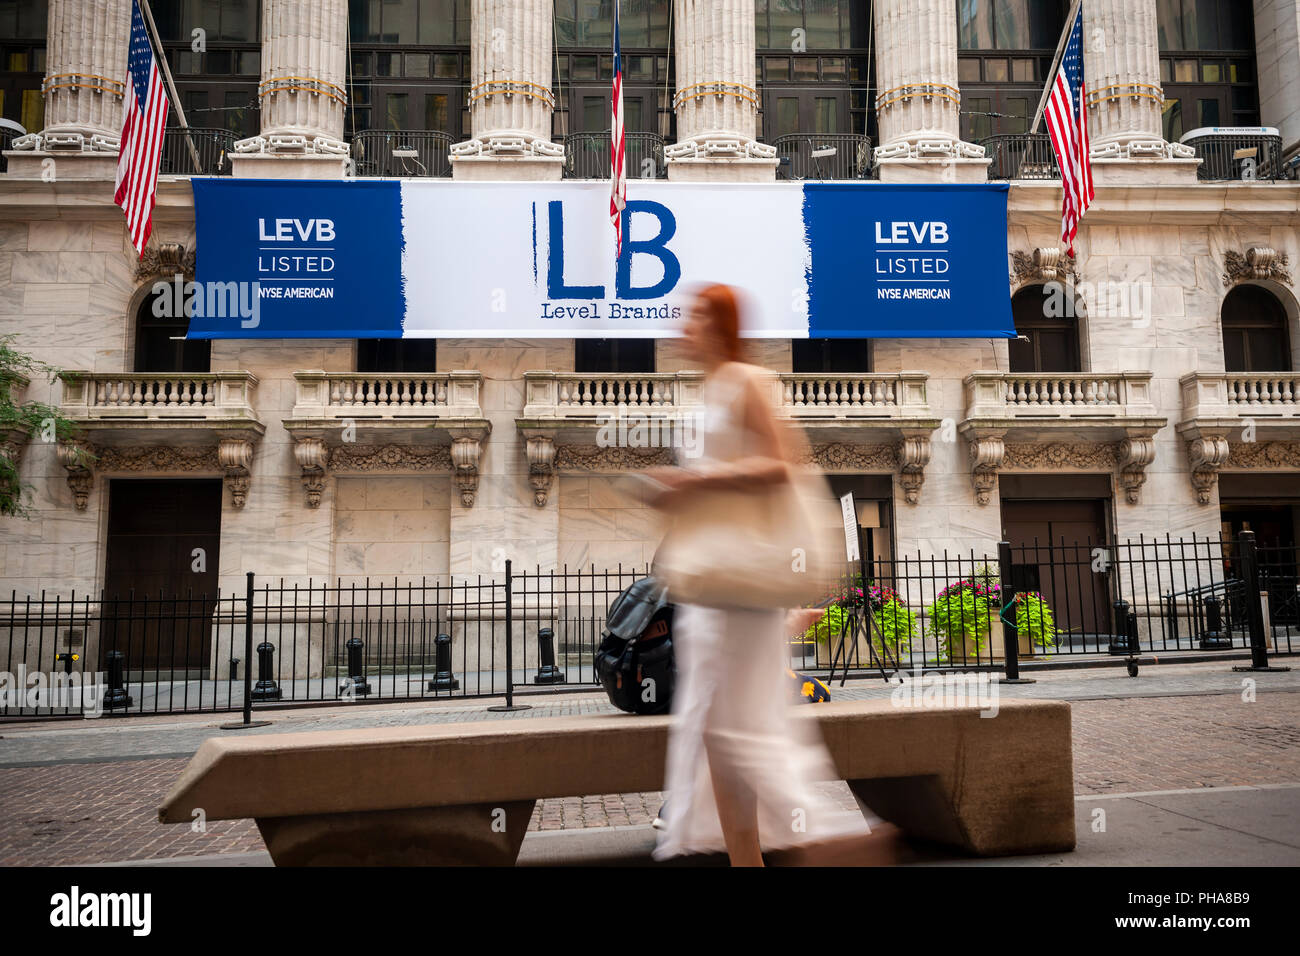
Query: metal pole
(1249, 560)
(248, 664)
(1010, 633)
(171, 85)
(510, 704)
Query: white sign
(850, 527)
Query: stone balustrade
(100, 396)
(382, 395)
(1235, 394)
(1058, 395)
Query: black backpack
(635, 659)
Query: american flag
(144, 115)
(1067, 124)
(617, 153)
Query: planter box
(992, 648)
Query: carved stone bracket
(166, 259)
(75, 458)
(913, 456)
(465, 454)
(1206, 455)
(312, 457)
(541, 466)
(987, 452)
(236, 458)
(1259, 262)
(1134, 453)
(1042, 265)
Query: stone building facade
(960, 443)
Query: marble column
(918, 102)
(511, 100)
(717, 95)
(302, 93)
(1277, 55)
(1121, 61)
(83, 89)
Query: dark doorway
(1045, 342)
(159, 593)
(397, 355)
(160, 342)
(613, 355)
(830, 356)
(1057, 538)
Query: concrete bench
(463, 793)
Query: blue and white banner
(439, 258)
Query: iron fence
(586, 155)
(437, 638)
(403, 153)
(833, 156)
(212, 147)
(1021, 156)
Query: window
(1045, 342)
(397, 355)
(830, 356)
(218, 87)
(160, 343)
(1255, 335)
(1006, 48)
(613, 355)
(1207, 65)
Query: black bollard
(1213, 638)
(117, 695)
(443, 678)
(234, 669)
(547, 672)
(265, 688)
(1171, 619)
(66, 660)
(1132, 633)
(1119, 641)
(356, 681)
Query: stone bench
(464, 792)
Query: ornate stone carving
(1264, 454)
(465, 454)
(1205, 456)
(837, 456)
(350, 457)
(1259, 262)
(987, 453)
(541, 466)
(913, 456)
(1042, 265)
(596, 458)
(76, 457)
(165, 259)
(1134, 454)
(312, 457)
(1047, 455)
(158, 458)
(236, 458)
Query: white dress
(732, 704)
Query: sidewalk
(87, 791)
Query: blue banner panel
(908, 261)
(315, 259)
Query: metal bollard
(66, 660)
(265, 688)
(547, 672)
(356, 682)
(443, 678)
(234, 670)
(1119, 648)
(1132, 634)
(117, 695)
(1171, 618)
(1213, 638)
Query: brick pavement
(1192, 729)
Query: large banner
(425, 258)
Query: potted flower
(894, 622)
(966, 619)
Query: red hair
(724, 313)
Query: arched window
(160, 343)
(1047, 329)
(1255, 335)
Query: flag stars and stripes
(1067, 125)
(144, 117)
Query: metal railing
(586, 155)
(402, 153)
(7, 137)
(438, 637)
(833, 156)
(213, 147)
(1236, 154)
(1021, 156)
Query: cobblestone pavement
(88, 791)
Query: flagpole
(1051, 79)
(171, 85)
